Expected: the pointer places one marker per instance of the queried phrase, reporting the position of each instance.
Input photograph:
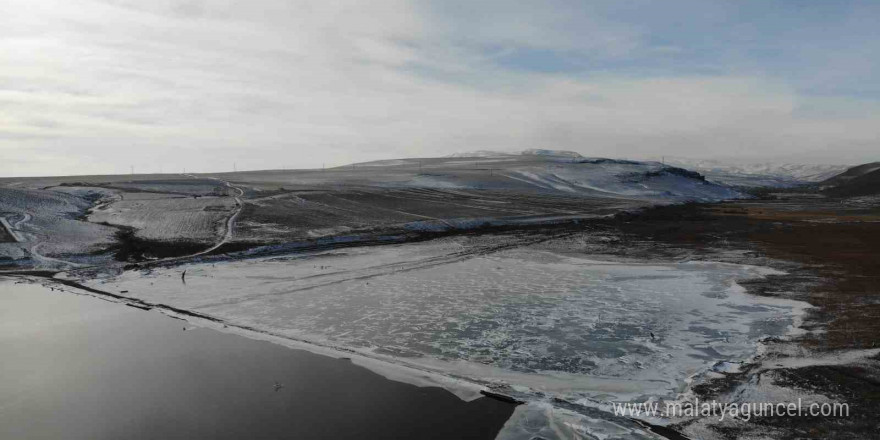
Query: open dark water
(78, 367)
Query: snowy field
(49, 223)
(168, 218)
(537, 324)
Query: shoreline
(138, 345)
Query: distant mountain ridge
(759, 174)
(729, 173)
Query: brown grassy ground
(831, 253)
(835, 250)
(298, 215)
(842, 247)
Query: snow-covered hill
(551, 171)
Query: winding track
(16, 232)
(230, 223)
(44, 259)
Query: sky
(99, 86)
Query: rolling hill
(862, 180)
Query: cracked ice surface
(534, 319)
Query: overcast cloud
(93, 86)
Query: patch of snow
(191, 219)
(824, 359)
(542, 420)
(48, 223)
(429, 181)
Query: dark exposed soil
(857, 386)
(5, 236)
(131, 248)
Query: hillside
(543, 171)
(862, 180)
(148, 216)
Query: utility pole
(132, 169)
(234, 167)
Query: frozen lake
(539, 322)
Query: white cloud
(93, 86)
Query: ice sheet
(561, 324)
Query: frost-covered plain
(540, 323)
(47, 223)
(168, 218)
